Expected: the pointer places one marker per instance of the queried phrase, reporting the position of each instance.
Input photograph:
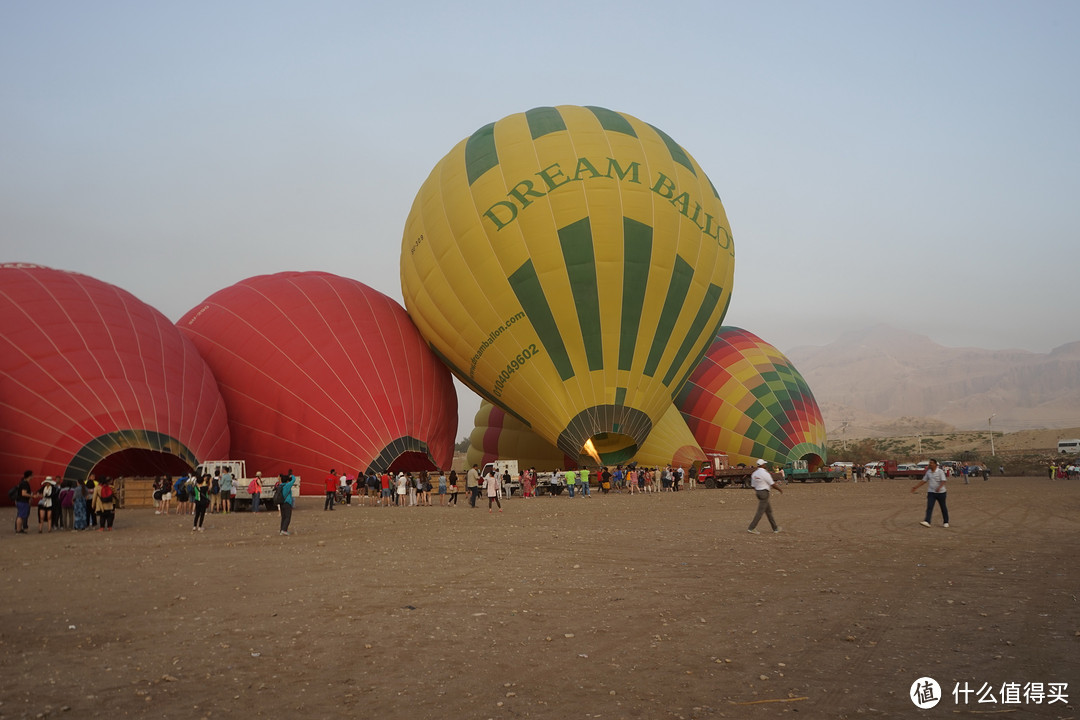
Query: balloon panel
(320, 371)
(499, 436)
(746, 399)
(671, 443)
(571, 265)
(90, 373)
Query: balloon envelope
(498, 435)
(570, 264)
(94, 379)
(670, 443)
(746, 399)
(321, 372)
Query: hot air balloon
(319, 371)
(92, 379)
(500, 436)
(571, 265)
(747, 400)
(670, 443)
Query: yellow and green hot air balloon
(571, 265)
(498, 435)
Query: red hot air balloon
(92, 379)
(320, 371)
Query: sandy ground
(615, 607)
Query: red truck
(715, 472)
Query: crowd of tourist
(65, 504)
(68, 504)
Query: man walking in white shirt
(935, 481)
(762, 482)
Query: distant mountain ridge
(882, 381)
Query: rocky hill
(886, 382)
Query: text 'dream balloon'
(570, 264)
(746, 399)
(319, 371)
(92, 379)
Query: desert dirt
(618, 606)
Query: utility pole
(990, 424)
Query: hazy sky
(912, 163)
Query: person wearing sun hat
(762, 482)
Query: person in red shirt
(331, 489)
(384, 482)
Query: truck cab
(502, 468)
(238, 468)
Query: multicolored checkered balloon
(747, 400)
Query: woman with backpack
(255, 491)
(201, 498)
(283, 496)
(215, 494)
(67, 504)
(181, 489)
(104, 504)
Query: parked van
(1069, 447)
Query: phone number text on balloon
(513, 366)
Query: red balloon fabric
(321, 372)
(92, 379)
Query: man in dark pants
(935, 481)
(762, 482)
(331, 488)
(472, 484)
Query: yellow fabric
(580, 275)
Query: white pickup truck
(550, 483)
(502, 468)
(240, 478)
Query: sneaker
(777, 530)
(752, 531)
(925, 524)
(945, 525)
(283, 532)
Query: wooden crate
(136, 492)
